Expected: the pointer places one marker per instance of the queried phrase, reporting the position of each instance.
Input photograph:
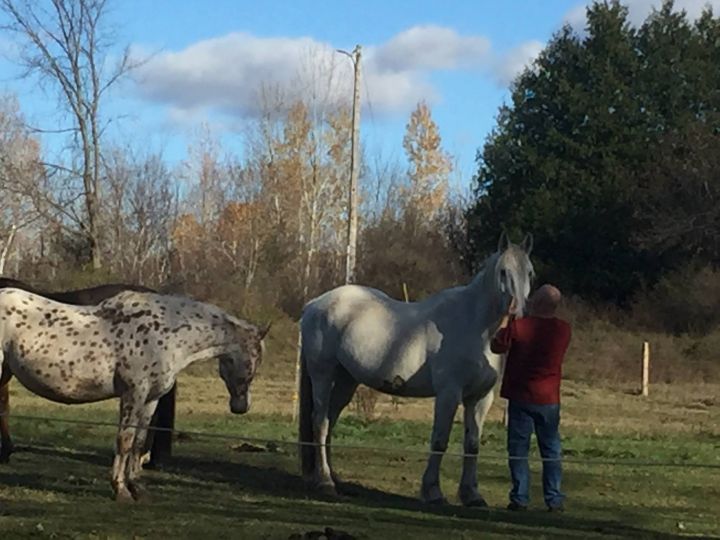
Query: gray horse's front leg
(474, 417)
(446, 405)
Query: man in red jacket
(535, 348)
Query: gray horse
(435, 348)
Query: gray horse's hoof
(326, 488)
(432, 494)
(470, 497)
(476, 503)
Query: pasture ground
(57, 485)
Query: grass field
(57, 485)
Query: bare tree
(19, 165)
(138, 214)
(207, 178)
(67, 45)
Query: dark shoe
(558, 508)
(516, 507)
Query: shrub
(685, 301)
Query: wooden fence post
(645, 369)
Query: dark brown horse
(164, 414)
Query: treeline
(267, 228)
(608, 151)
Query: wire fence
(380, 449)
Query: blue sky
(210, 57)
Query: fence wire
(381, 449)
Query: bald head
(545, 301)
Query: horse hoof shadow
(326, 490)
(440, 501)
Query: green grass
(57, 485)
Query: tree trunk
(6, 249)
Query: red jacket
(536, 348)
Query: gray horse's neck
(484, 298)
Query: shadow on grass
(86, 454)
(279, 495)
(274, 481)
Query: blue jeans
(523, 419)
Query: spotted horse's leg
(144, 417)
(133, 412)
(6, 444)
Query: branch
(34, 129)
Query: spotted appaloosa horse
(131, 346)
(164, 414)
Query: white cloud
(226, 73)
(510, 64)
(431, 47)
(230, 73)
(638, 10)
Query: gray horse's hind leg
(342, 394)
(322, 386)
(446, 405)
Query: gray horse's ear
(527, 243)
(503, 242)
(264, 331)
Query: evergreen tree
(584, 123)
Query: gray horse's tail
(305, 416)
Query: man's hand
(512, 307)
(510, 315)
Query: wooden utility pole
(351, 257)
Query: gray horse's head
(514, 272)
(238, 369)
